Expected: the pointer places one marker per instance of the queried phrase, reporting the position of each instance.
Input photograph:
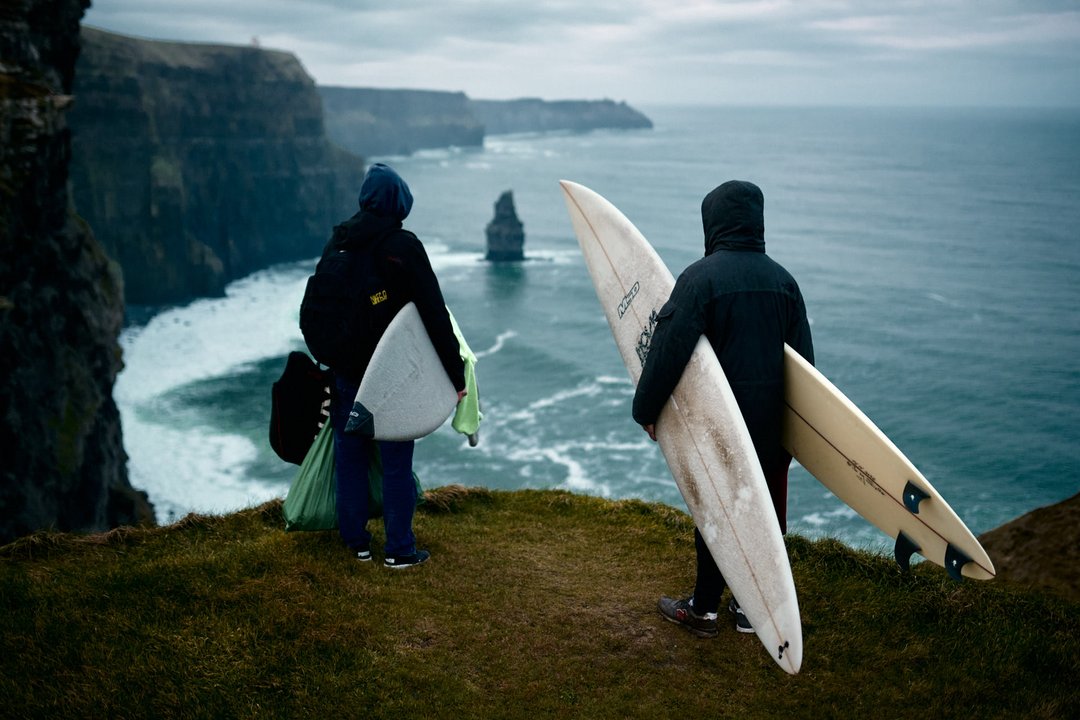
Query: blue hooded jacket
(383, 192)
(385, 200)
(748, 306)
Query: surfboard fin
(904, 549)
(361, 421)
(913, 495)
(955, 562)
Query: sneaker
(681, 612)
(397, 562)
(742, 623)
(363, 554)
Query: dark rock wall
(398, 122)
(62, 463)
(534, 115)
(198, 164)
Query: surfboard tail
(840, 446)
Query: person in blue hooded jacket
(748, 306)
(405, 271)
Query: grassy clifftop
(535, 604)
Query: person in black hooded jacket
(399, 256)
(748, 306)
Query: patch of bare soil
(1040, 549)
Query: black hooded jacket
(402, 262)
(746, 304)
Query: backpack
(299, 407)
(345, 308)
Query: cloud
(861, 24)
(946, 31)
(644, 51)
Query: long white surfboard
(843, 449)
(701, 431)
(406, 393)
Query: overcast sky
(772, 52)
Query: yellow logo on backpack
(378, 297)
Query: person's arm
(798, 335)
(427, 295)
(680, 322)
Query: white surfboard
(701, 431)
(406, 393)
(848, 454)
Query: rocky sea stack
(61, 306)
(505, 233)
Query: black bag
(299, 407)
(345, 308)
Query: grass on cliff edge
(534, 604)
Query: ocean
(938, 251)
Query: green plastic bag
(312, 500)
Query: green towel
(467, 417)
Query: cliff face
(198, 164)
(398, 122)
(61, 303)
(533, 115)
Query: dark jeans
(710, 582)
(351, 458)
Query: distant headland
(370, 121)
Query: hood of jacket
(733, 217)
(383, 192)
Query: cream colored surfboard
(701, 431)
(406, 393)
(843, 449)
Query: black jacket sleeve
(406, 254)
(798, 334)
(679, 325)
